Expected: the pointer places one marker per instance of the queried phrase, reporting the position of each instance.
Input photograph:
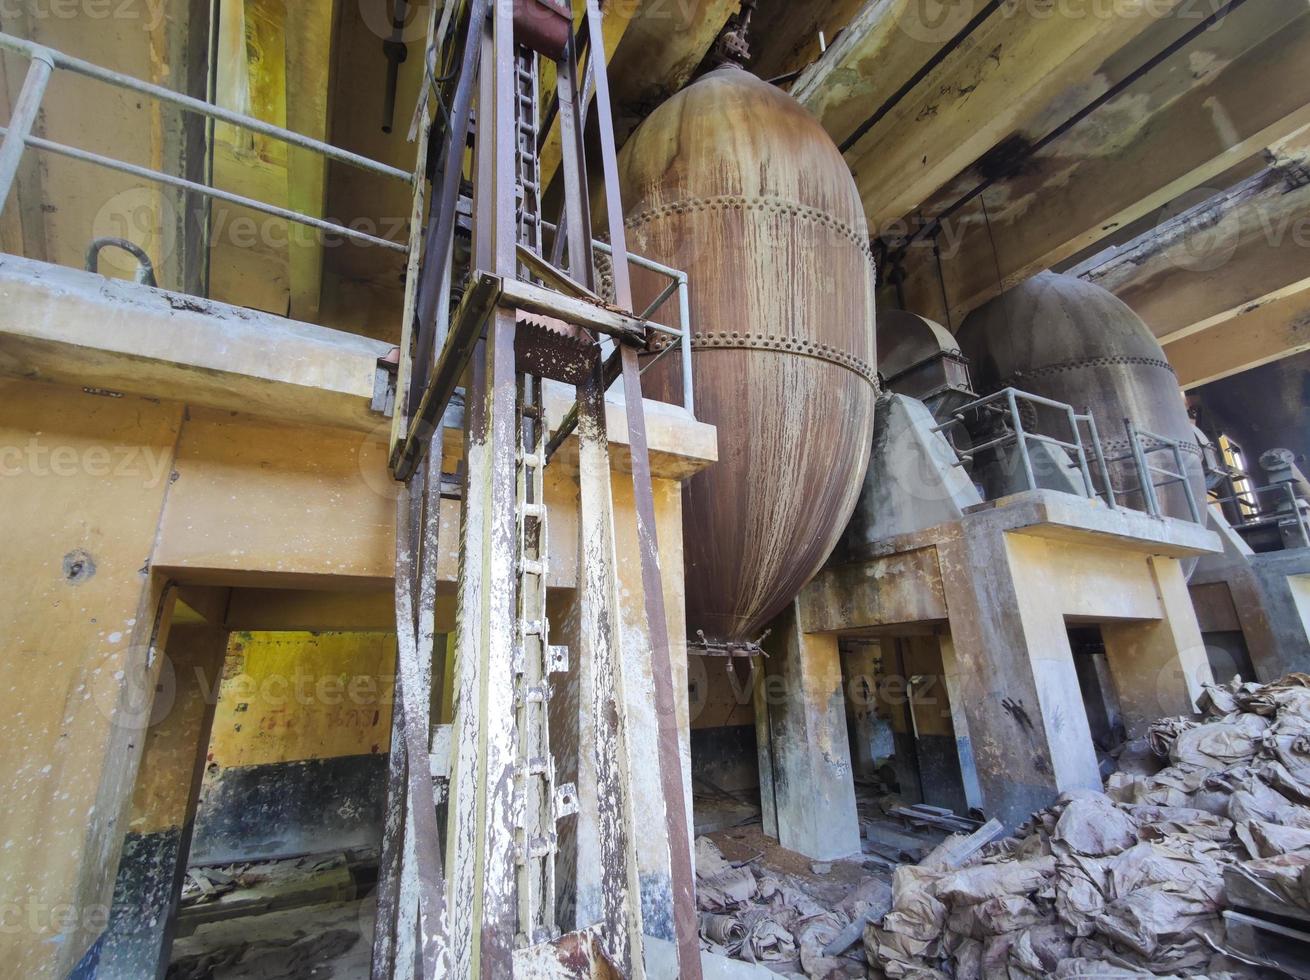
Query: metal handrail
(18, 136)
(678, 282)
(1010, 397)
(1146, 472)
(57, 59)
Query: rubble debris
(1194, 862)
(1137, 880)
(213, 893)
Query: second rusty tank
(734, 182)
(1075, 342)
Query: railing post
(1187, 487)
(1144, 478)
(1021, 438)
(1082, 454)
(684, 321)
(1101, 465)
(23, 119)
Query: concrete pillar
(811, 794)
(1158, 666)
(153, 865)
(1283, 578)
(960, 722)
(84, 478)
(1013, 669)
(572, 728)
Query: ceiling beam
(1234, 91)
(1213, 262)
(1001, 79)
(1266, 332)
(660, 51)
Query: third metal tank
(1075, 342)
(734, 182)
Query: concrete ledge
(78, 328)
(1066, 517)
(85, 330)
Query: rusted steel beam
(441, 230)
(685, 920)
(554, 277)
(620, 884)
(411, 703)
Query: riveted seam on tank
(1108, 360)
(735, 340)
(776, 205)
(1149, 444)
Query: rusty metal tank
(1075, 342)
(734, 182)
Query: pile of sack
(769, 918)
(1132, 881)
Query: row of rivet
(771, 205)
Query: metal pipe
(189, 185)
(668, 291)
(1181, 475)
(60, 60)
(23, 119)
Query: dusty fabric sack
(984, 881)
(1156, 822)
(1256, 800)
(1262, 839)
(726, 890)
(1094, 826)
(1040, 949)
(1219, 744)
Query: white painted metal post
(23, 119)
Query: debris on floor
(1133, 881)
(793, 916)
(325, 941)
(1194, 862)
(211, 893)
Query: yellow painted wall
(82, 480)
(1300, 585)
(289, 697)
(189, 681)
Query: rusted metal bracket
(719, 648)
(485, 293)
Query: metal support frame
(1006, 403)
(499, 836)
(1292, 509)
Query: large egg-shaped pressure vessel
(1075, 342)
(734, 182)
